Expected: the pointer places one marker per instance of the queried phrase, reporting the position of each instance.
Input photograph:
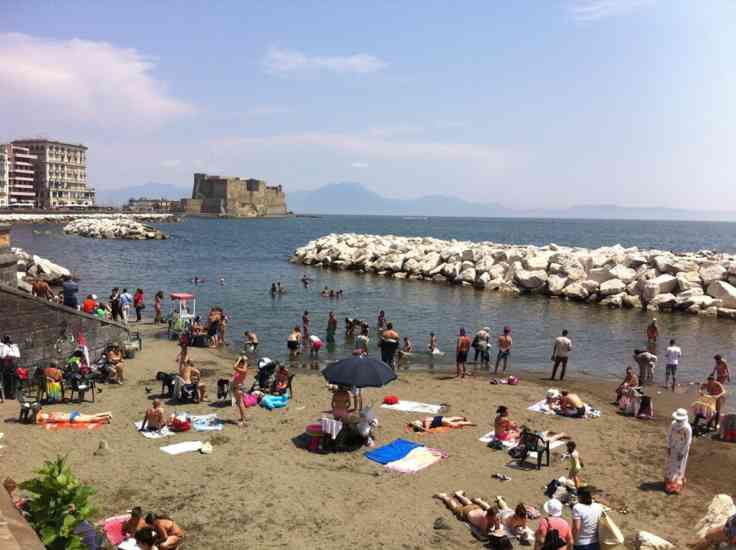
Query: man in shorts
(461, 356)
(560, 353)
(672, 357)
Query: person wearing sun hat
(545, 532)
(678, 448)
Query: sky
(529, 103)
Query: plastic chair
(533, 442)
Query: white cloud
(367, 146)
(63, 83)
(395, 130)
(592, 10)
(173, 163)
(359, 165)
(285, 62)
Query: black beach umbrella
(361, 372)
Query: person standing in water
(672, 356)
(652, 334)
(461, 356)
(331, 328)
(381, 320)
(560, 354)
(504, 349)
(305, 328)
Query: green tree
(59, 503)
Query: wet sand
(260, 487)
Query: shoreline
(342, 498)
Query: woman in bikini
(504, 428)
(240, 370)
(341, 403)
(478, 513)
(168, 534)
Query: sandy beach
(259, 487)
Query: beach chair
(531, 442)
(29, 406)
(81, 386)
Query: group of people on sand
(152, 531)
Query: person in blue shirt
(126, 301)
(70, 290)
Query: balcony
(15, 193)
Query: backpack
(552, 541)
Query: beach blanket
(180, 448)
(271, 402)
(396, 450)
(53, 426)
(113, 528)
(207, 423)
(438, 430)
(541, 407)
(417, 459)
(414, 406)
(153, 434)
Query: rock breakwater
(52, 217)
(120, 227)
(32, 267)
(702, 282)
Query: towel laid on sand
(180, 448)
(153, 434)
(417, 459)
(113, 528)
(541, 407)
(414, 406)
(53, 426)
(396, 450)
(438, 430)
(207, 423)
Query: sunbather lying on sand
(430, 422)
(73, 416)
(478, 513)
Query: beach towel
(153, 434)
(414, 406)
(207, 423)
(417, 459)
(541, 407)
(396, 450)
(53, 426)
(113, 528)
(180, 448)
(438, 430)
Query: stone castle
(235, 197)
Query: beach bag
(181, 424)
(609, 535)
(390, 400)
(21, 373)
(552, 541)
(250, 400)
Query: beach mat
(153, 434)
(396, 450)
(417, 459)
(207, 423)
(414, 406)
(438, 430)
(113, 528)
(181, 448)
(54, 426)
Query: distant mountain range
(353, 198)
(151, 190)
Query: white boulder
(531, 280)
(659, 285)
(556, 284)
(575, 291)
(612, 286)
(712, 273)
(723, 291)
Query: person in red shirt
(553, 521)
(652, 333)
(138, 304)
(462, 349)
(90, 304)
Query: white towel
(180, 448)
(163, 432)
(414, 406)
(330, 426)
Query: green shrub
(58, 504)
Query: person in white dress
(678, 448)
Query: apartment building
(60, 173)
(17, 181)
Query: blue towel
(271, 402)
(396, 450)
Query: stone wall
(44, 330)
(215, 195)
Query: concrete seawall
(702, 283)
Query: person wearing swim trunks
(293, 341)
(504, 349)
(168, 534)
(571, 405)
(461, 356)
(187, 372)
(431, 422)
(560, 354)
(154, 419)
(672, 355)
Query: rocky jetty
(52, 217)
(702, 282)
(32, 267)
(119, 227)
